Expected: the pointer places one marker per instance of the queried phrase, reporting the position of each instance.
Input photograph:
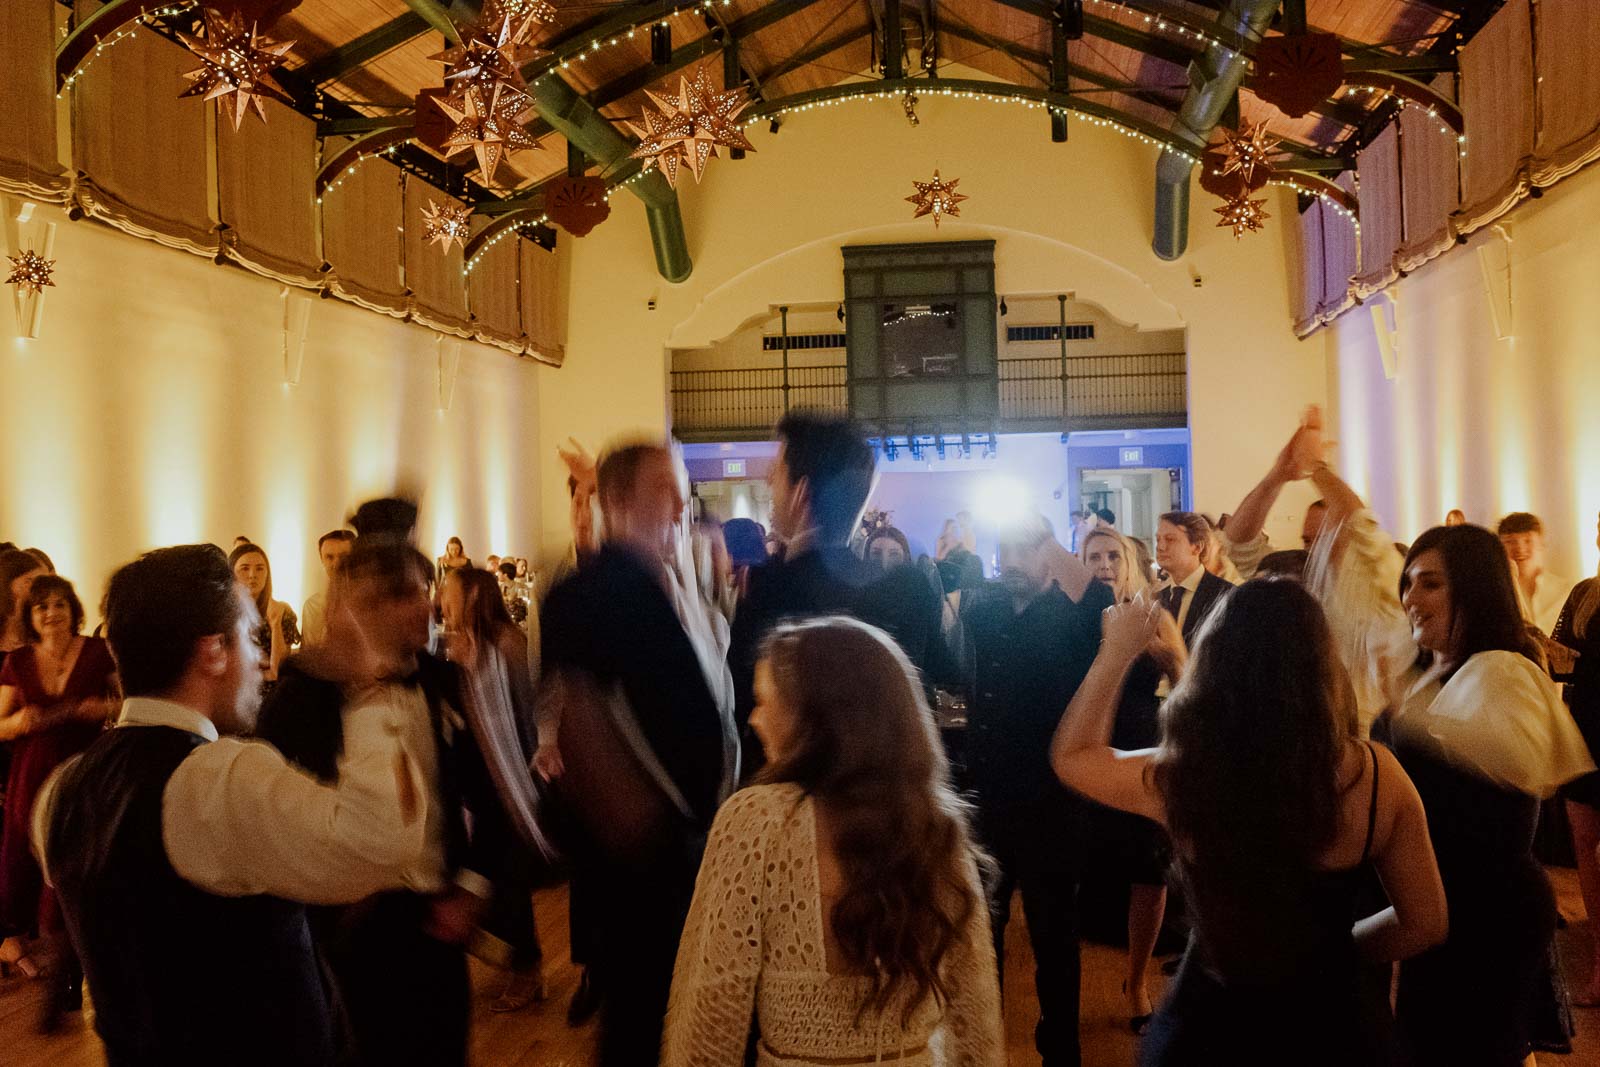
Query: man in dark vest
(177, 855)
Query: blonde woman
(839, 905)
(1137, 848)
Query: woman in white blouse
(839, 904)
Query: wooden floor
(539, 1036)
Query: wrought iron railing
(1141, 389)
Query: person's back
(250, 995)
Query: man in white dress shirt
(1191, 590)
(332, 547)
(177, 855)
(1543, 593)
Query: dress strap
(1372, 805)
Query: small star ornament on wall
(937, 198)
(1242, 215)
(235, 61)
(445, 225)
(31, 272)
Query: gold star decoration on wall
(937, 198)
(1242, 215)
(1247, 151)
(31, 272)
(446, 224)
(237, 61)
(491, 126)
(691, 128)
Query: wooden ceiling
(372, 57)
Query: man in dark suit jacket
(644, 794)
(1191, 591)
(820, 482)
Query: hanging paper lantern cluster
(235, 61)
(690, 129)
(1295, 73)
(486, 98)
(1232, 170)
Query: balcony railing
(1104, 391)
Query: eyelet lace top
(754, 945)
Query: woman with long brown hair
(1276, 808)
(839, 904)
(279, 631)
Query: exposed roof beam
(447, 16)
(365, 49)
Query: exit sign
(733, 468)
(1132, 457)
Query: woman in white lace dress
(839, 905)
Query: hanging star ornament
(1242, 215)
(30, 272)
(235, 61)
(538, 10)
(691, 128)
(490, 125)
(937, 198)
(490, 55)
(445, 225)
(1247, 151)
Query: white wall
(152, 410)
(1473, 421)
(1066, 218)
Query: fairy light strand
(103, 44)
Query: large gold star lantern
(1247, 151)
(489, 124)
(235, 61)
(937, 198)
(490, 55)
(691, 128)
(1242, 215)
(30, 272)
(446, 224)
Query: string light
(360, 159)
(1431, 112)
(1328, 201)
(582, 51)
(149, 18)
(1167, 23)
(931, 89)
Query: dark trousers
(642, 911)
(407, 998)
(1038, 853)
(510, 914)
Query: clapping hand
(1304, 449)
(1126, 630)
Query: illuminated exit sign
(733, 468)
(1132, 457)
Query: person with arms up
(332, 547)
(1276, 809)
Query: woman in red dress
(56, 694)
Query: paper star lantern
(235, 61)
(489, 125)
(1242, 215)
(1246, 152)
(692, 127)
(491, 54)
(937, 198)
(30, 272)
(446, 225)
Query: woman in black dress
(1276, 809)
(1577, 632)
(1136, 848)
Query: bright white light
(1001, 499)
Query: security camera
(1199, 282)
(650, 305)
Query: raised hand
(1126, 630)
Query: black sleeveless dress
(1292, 994)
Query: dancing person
(1482, 732)
(820, 481)
(56, 693)
(1032, 645)
(18, 569)
(279, 630)
(1190, 591)
(332, 547)
(646, 740)
(1276, 810)
(398, 959)
(484, 641)
(455, 557)
(177, 856)
(1522, 535)
(859, 934)
(1245, 541)
(1138, 848)
(1577, 632)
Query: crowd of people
(274, 838)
